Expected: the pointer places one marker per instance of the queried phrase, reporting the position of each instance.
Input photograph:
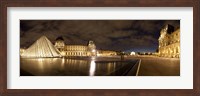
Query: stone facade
(106, 53)
(169, 42)
(60, 44)
(75, 50)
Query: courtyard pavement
(157, 66)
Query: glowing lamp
(93, 50)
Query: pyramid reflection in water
(41, 48)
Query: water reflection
(72, 67)
(92, 68)
(40, 62)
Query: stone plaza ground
(157, 66)
(151, 65)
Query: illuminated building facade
(169, 42)
(75, 50)
(60, 44)
(106, 53)
(133, 53)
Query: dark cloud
(107, 34)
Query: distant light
(93, 50)
(132, 53)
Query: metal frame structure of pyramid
(41, 48)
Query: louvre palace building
(75, 50)
(169, 42)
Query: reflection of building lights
(63, 62)
(40, 59)
(92, 68)
(40, 62)
(54, 59)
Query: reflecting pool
(74, 67)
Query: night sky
(118, 35)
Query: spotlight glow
(92, 68)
